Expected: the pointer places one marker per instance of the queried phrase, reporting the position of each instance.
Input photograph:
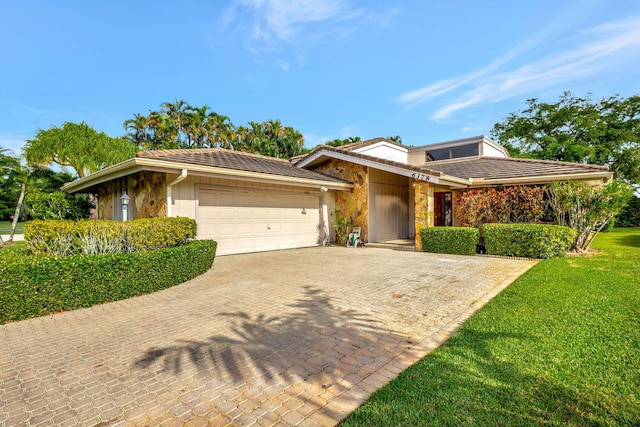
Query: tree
(606, 132)
(180, 125)
(341, 142)
(9, 187)
(587, 209)
(77, 146)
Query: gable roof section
(361, 144)
(324, 152)
(216, 162)
(507, 170)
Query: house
(251, 203)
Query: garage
(243, 221)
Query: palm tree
(176, 113)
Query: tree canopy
(78, 146)
(180, 125)
(575, 129)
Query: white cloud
(283, 19)
(603, 49)
(14, 143)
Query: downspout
(170, 185)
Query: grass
(20, 244)
(5, 227)
(559, 347)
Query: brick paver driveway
(298, 337)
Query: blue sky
(425, 70)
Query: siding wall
(389, 206)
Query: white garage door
(249, 221)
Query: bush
(630, 214)
(528, 240)
(450, 240)
(54, 237)
(32, 286)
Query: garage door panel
(251, 222)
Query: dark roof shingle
(505, 168)
(236, 160)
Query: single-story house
(251, 203)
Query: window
(468, 150)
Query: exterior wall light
(124, 201)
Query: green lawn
(5, 227)
(559, 347)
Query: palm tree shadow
(273, 347)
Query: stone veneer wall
(147, 192)
(354, 204)
(104, 207)
(424, 208)
(149, 189)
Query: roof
(324, 152)
(235, 160)
(374, 159)
(213, 162)
(497, 168)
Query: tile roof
(505, 168)
(236, 160)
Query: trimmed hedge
(528, 240)
(450, 240)
(59, 237)
(32, 286)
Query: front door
(443, 214)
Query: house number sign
(423, 177)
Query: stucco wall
(354, 204)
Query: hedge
(450, 240)
(528, 240)
(32, 286)
(60, 237)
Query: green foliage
(64, 238)
(342, 225)
(32, 286)
(180, 125)
(578, 130)
(77, 146)
(512, 204)
(450, 240)
(9, 186)
(156, 233)
(528, 240)
(586, 209)
(57, 205)
(559, 347)
(341, 142)
(630, 214)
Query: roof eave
(543, 179)
(138, 164)
(424, 175)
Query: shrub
(32, 286)
(511, 204)
(587, 209)
(450, 240)
(630, 214)
(62, 238)
(528, 240)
